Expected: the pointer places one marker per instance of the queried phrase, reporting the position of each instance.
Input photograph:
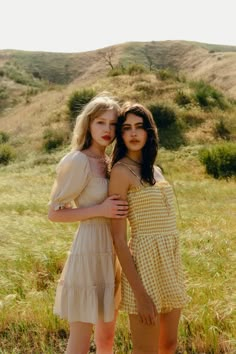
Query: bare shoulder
(119, 171)
(119, 180)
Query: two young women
(152, 285)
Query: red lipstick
(106, 137)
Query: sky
(83, 25)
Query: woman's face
(102, 128)
(133, 133)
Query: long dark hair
(150, 149)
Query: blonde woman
(87, 293)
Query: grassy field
(33, 251)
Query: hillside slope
(214, 63)
(37, 102)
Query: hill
(35, 86)
(214, 63)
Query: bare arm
(119, 183)
(112, 207)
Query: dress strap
(131, 170)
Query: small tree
(108, 55)
(149, 57)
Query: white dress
(88, 288)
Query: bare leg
(144, 337)
(79, 339)
(104, 336)
(168, 331)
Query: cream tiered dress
(87, 290)
(154, 245)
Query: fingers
(114, 197)
(150, 319)
(120, 209)
(118, 201)
(120, 213)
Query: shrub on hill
(20, 76)
(77, 100)
(182, 98)
(221, 131)
(207, 96)
(53, 139)
(220, 160)
(169, 74)
(135, 69)
(7, 154)
(163, 115)
(170, 129)
(117, 70)
(130, 69)
(4, 137)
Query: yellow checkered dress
(154, 245)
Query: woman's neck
(96, 152)
(135, 156)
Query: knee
(104, 341)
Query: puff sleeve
(73, 174)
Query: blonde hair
(101, 103)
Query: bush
(117, 70)
(182, 99)
(53, 139)
(207, 96)
(220, 160)
(18, 75)
(78, 100)
(170, 130)
(4, 137)
(164, 116)
(169, 74)
(147, 88)
(135, 69)
(221, 131)
(3, 93)
(7, 154)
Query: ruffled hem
(85, 304)
(161, 308)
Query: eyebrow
(128, 124)
(100, 118)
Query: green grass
(33, 251)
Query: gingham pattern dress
(154, 245)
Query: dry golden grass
(33, 251)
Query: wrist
(99, 210)
(141, 293)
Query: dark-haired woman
(153, 291)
